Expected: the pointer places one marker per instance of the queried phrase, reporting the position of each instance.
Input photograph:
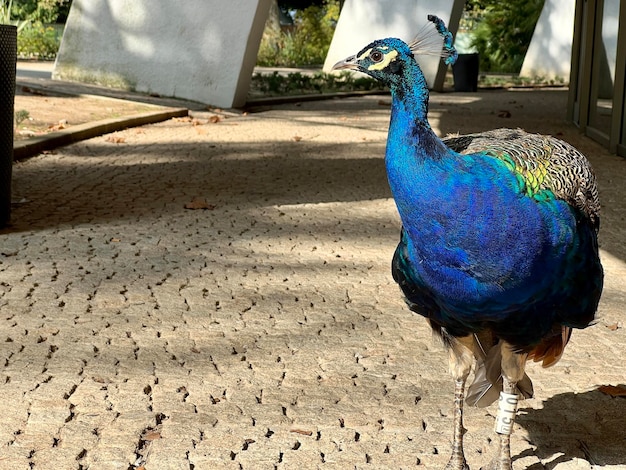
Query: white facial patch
(365, 54)
(389, 57)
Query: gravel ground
(259, 327)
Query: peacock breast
(475, 238)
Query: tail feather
(550, 350)
(487, 384)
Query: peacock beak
(349, 63)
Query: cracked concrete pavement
(262, 329)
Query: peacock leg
(512, 371)
(460, 362)
(457, 459)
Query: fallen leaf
(115, 139)
(503, 113)
(297, 138)
(302, 431)
(199, 203)
(215, 119)
(152, 436)
(62, 124)
(115, 240)
(613, 326)
(613, 390)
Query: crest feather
(434, 39)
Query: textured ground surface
(264, 331)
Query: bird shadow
(587, 426)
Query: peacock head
(387, 60)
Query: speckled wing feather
(541, 163)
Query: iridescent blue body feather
(480, 250)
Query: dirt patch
(39, 112)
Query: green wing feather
(545, 166)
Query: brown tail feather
(488, 378)
(551, 348)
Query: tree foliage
(38, 41)
(44, 11)
(299, 4)
(306, 43)
(502, 32)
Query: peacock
(498, 247)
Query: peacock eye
(376, 56)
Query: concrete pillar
(550, 51)
(201, 50)
(363, 21)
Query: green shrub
(37, 41)
(46, 11)
(5, 12)
(307, 43)
(20, 116)
(276, 84)
(503, 32)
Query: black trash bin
(465, 72)
(8, 57)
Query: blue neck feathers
(409, 118)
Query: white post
(550, 50)
(363, 21)
(200, 50)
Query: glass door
(603, 62)
(598, 72)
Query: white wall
(201, 50)
(550, 52)
(363, 21)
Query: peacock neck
(410, 93)
(409, 126)
(417, 161)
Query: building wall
(201, 50)
(550, 50)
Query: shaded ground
(264, 331)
